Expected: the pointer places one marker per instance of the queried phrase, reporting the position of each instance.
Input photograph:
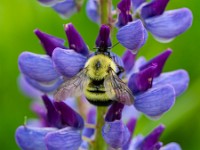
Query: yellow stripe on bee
(96, 96)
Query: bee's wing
(72, 87)
(117, 90)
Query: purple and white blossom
(155, 92)
(164, 25)
(38, 69)
(92, 10)
(60, 128)
(145, 79)
(65, 8)
(117, 134)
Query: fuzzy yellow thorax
(98, 66)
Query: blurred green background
(18, 19)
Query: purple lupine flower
(155, 92)
(27, 89)
(65, 8)
(164, 25)
(48, 2)
(132, 36)
(151, 141)
(118, 135)
(144, 78)
(92, 10)
(37, 69)
(115, 132)
(69, 62)
(60, 128)
(87, 131)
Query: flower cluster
(164, 25)
(63, 7)
(71, 124)
(60, 128)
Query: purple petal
(154, 8)
(68, 62)
(123, 19)
(130, 112)
(37, 67)
(131, 126)
(155, 101)
(157, 146)
(48, 2)
(103, 39)
(179, 79)
(152, 139)
(171, 146)
(45, 87)
(91, 119)
(159, 61)
(89, 132)
(170, 24)
(114, 112)
(69, 116)
(136, 141)
(137, 3)
(63, 139)
(124, 15)
(132, 36)
(65, 8)
(31, 138)
(71, 102)
(124, 5)
(75, 40)
(128, 60)
(34, 123)
(41, 113)
(53, 116)
(138, 63)
(49, 42)
(92, 11)
(91, 116)
(116, 134)
(27, 89)
(142, 81)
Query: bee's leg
(121, 70)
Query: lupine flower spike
(74, 71)
(164, 25)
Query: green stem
(99, 143)
(105, 11)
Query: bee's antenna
(115, 44)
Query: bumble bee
(99, 82)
